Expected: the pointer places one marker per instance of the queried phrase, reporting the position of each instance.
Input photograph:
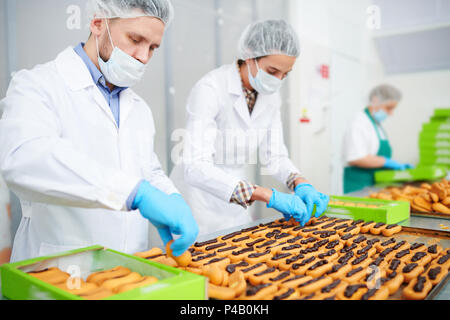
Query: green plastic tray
(390, 212)
(434, 152)
(428, 173)
(436, 126)
(173, 284)
(434, 135)
(441, 143)
(442, 113)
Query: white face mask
(264, 83)
(121, 70)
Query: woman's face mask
(121, 70)
(380, 115)
(264, 83)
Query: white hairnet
(270, 37)
(385, 93)
(109, 9)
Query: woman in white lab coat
(231, 113)
(366, 146)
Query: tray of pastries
(328, 259)
(425, 199)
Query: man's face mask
(121, 70)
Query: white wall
(337, 32)
(423, 92)
(332, 33)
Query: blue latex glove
(394, 165)
(311, 197)
(289, 205)
(169, 214)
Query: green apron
(355, 178)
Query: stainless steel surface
(413, 222)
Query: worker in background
(231, 113)
(366, 145)
(76, 143)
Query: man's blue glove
(394, 165)
(289, 205)
(169, 214)
(311, 197)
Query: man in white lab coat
(76, 144)
(233, 112)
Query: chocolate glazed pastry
(294, 259)
(398, 245)
(409, 267)
(369, 294)
(250, 229)
(285, 295)
(443, 259)
(231, 268)
(254, 290)
(350, 290)
(227, 249)
(281, 276)
(432, 249)
(307, 283)
(294, 240)
(252, 244)
(373, 241)
(281, 256)
(318, 264)
(215, 246)
(416, 246)
(433, 272)
(388, 242)
(331, 286)
(347, 236)
(266, 244)
(402, 253)
(240, 239)
(359, 239)
(327, 254)
(355, 223)
(377, 261)
(349, 248)
(344, 259)
(214, 261)
(252, 267)
(332, 244)
(418, 256)
(259, 254)
(268, 270)
(201, 258)
(203, 244)
(391, 226)
(418, 287)
(336, 268)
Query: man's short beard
(105, 48)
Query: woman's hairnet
(385, 93)
(110, 9)
(270, 37)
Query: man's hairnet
(110, 9)
(270, 37)
(386, 93)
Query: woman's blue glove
(169, 214)
(290, 206)
(394, 165)
(311, 197)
